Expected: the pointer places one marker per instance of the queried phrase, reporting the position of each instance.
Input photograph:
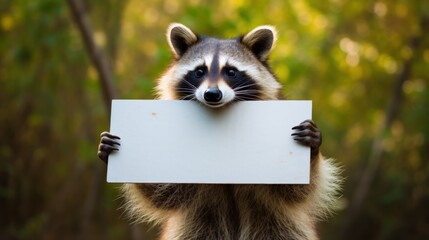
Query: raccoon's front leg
(165, 196)
(309, 135)
(108, 144)
(306, 133)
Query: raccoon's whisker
(188, 97)
(188, 92)
(245, 98)
(244, 82)
(248, 92)
(190, 84)
(254, 93)
(241, 86)
(245, 89)
(251, 94)
(185, 90)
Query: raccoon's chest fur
(230, 212)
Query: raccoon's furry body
(217, 72)
(193, 211)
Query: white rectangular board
(248, 142)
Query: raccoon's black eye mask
(200, 72)
(230, 72)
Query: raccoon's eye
(231, 72)
(199, 72)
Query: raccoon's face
(219, 71)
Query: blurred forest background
(365, 65)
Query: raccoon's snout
(213, 95)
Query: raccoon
(218, 72)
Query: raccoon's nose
(213, 95)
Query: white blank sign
(248, 142)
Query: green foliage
(344, 55)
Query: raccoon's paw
(308, 134)
(108, 144)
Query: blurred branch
(99, 61)
(106, 79)
(377, 146)
(113, 27)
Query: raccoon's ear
(260, 41)
(180, 38)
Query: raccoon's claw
(108, 144)
(308, 134)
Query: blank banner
(247, 142)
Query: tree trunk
(106, 79)
(97, 58)
(377, 150)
